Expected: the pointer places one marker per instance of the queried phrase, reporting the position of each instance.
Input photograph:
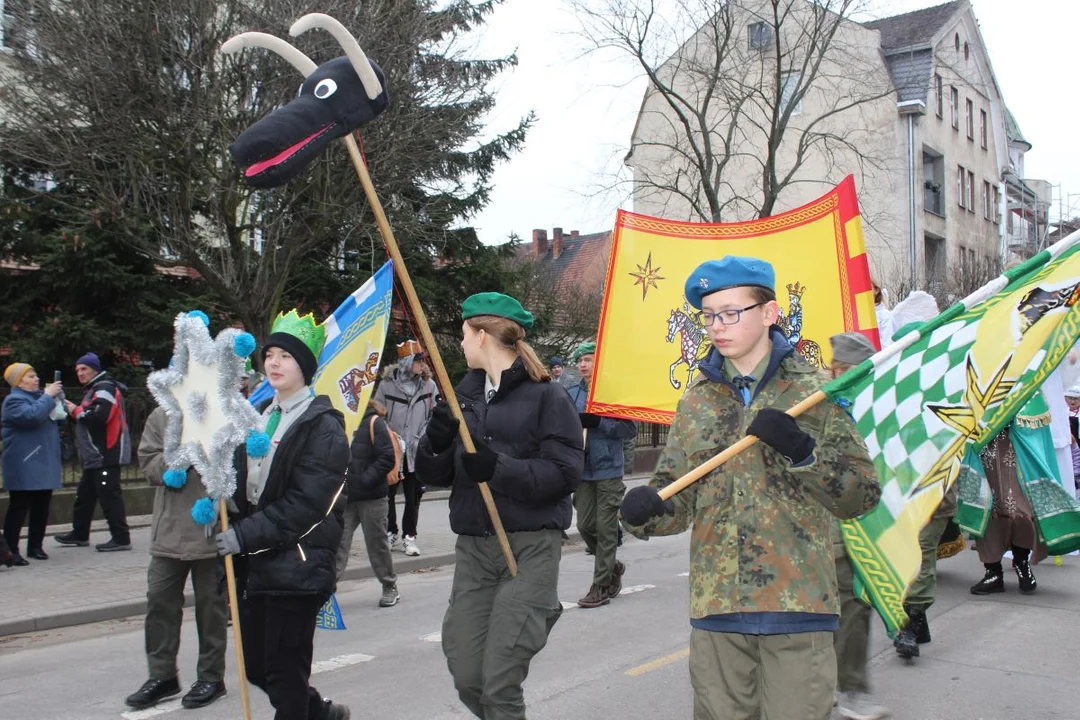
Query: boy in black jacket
(289, 529)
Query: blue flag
(349, 362)
(329, 617)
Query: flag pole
(429, 340)
(234, 611)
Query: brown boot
(595, 598)
(615, 587)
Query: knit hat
(90, 360)
(301, 337)
(556, 361)
(15, 372)
(851, 348)
(585, 348)
(499, 305)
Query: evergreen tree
(128, 106)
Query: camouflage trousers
(496, 623)
(923, 590)
(762, 677)
(853, 637)
(597, 503)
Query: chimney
(573, 234)
(556, 243)
(539, 243)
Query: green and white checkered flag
(954, 382)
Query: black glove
(480, 465)
(442, 428)
(589, 421)
(643, 503)
(779, 431)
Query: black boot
(202, 693)
(1025, 576)
(905, 643)
(992, 582)
(919, 625)
(152, 692)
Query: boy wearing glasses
(763, 592)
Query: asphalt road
(1009, 656)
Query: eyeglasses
(726, 317)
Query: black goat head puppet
(336, 98)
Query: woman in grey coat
(408, 393)
(31, 459)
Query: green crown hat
(304, 329)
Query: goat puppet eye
(325, 88)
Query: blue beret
(715, 275)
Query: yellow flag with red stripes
(650, 342)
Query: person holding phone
(31, 459)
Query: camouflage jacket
(760, 538)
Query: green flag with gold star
(948, 386)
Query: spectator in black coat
(372, 459)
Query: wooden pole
(708, 466)
(234, 610)
(429, 340)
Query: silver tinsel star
(200, 391)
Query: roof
(914, 28)
(1012, 129)
(910, 73)
(579, 256)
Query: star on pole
(647, 276)
(206, 416)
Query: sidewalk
(80, 585)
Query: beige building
(912, 109)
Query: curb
(131, 608)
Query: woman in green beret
(529, 451)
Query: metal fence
(649, 435)
(139, 403)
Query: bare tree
(745, 98)
(568, 312)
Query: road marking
(635, 589)
(161, 709)
(341, 661)
(335, 663)
(685, 574)
(432, 637)
(658, 663)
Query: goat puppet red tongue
(263, 165)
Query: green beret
(585, 348)
(497, 304)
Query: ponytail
(512, 335)
(536, 369)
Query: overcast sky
(586, 107)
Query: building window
(969, 119)
(789, 86)
(982, 128)
(997, 205)
(986, 200)
(760, 36)
(933, 182)
(954, 106)
(961, 185)
(966, 51)
(956, 41)
(970, 191)
(939, 97)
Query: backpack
(394, 476)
